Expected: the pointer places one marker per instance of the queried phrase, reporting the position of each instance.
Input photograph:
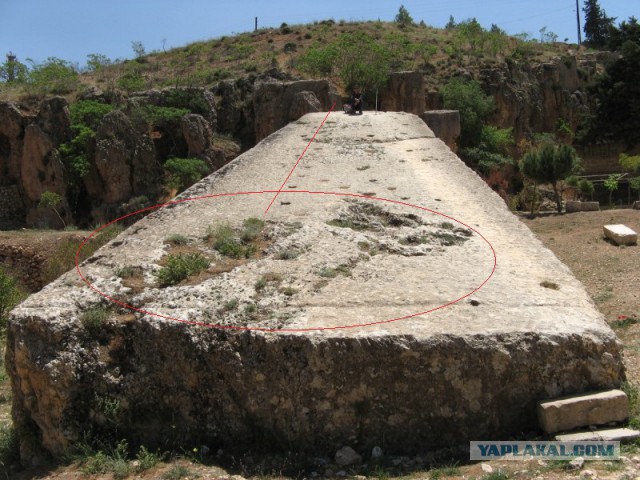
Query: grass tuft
(180, 267)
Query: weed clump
(230, 243)
(94, 318)
(180, 267)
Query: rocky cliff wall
(12, 213)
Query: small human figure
(355, 102)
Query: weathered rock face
(277, 103)
(404, 93)
(197, 133)
(11, 132)
(40, 167)
(415, 374)
(124, 161)
(539, 97)
(445, 124)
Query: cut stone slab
(573, 206)
(419, 371)
(577, 411)
(620, 234)
(609, 435)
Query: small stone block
(620, 234)
(568, 413)
(612, 435)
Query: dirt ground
(611, 275)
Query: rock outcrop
(277, 103)
(403, 93)
(437, 353)
(125, 161)
(30, 163)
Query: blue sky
(72, 29)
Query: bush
(9, 448)
(94, 318)
(97, 61)
(474, 105)
(86, 116)
(586, 188)
(132, 81)
(184, 172)
(358, 58)
(180, 267)
(225, 240)
(290, 47)
(88, 113)
(146, 459)
(10, 296)
(54, 76)
(167, 118)
(252, 228)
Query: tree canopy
(596, 24)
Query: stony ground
(610, 275)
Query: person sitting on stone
(356, 100)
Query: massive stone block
(369, 251)
(584, 410)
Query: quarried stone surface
(609, 435)
(445, 124)
(452, 337)
(621, 234)
(583, 410)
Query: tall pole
(578, 19)
(256, 29)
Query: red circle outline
(283, 330)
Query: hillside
(129, 134)
(438, 53)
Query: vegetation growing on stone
(179, 267)
(93, 319)
(10, 296)
(236, 244)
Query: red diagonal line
(299, 158)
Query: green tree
(474, 106)
(634, 183)
(54, 75)
(53, 201)
(630, 163)
(586, 188)
(97, 61)
(627, 31)
(616, 96)
(612, 183)
(403, 18)
(86, 116)
(451, 24)
(138, 49)
(12, 71)
(357, 58)
(551, 163)
(596, 24)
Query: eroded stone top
(366, 247)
